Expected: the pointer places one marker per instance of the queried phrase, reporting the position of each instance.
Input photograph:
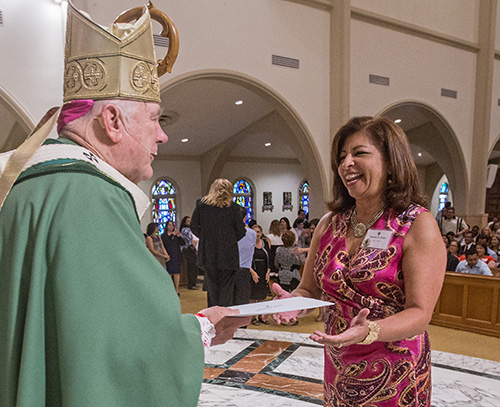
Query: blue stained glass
(243, 196)
(163, 187)
(443, 195)
(304, 203)
(163, 203)
(304, 197)
(242, 187)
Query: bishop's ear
(111, 120)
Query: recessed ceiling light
(184, 140)
(420, 154)
(238, 102)
(397, 121)
(267, 144)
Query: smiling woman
(381, 261)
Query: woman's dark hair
(166, 225)
(402, 187)
(150, 229)
(314, 222)
(286, 221)
(484, 246)
(183, 222)
(447, 242)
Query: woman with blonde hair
(218, 224)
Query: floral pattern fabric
(384, 374)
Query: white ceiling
(207, 116)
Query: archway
(281, 119)
(16, 124)
(428, 130)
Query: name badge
(377, 239)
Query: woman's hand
(268, 275)
(356, 333)
(285, 317)
(255, 276)
(167, 257)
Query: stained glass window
(243, 196)
(443, 195)
(164, 207)
(304, 197)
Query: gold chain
(361, 228)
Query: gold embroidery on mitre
(114, 63)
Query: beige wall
(457, 18)
(267, 177)
(417, 69)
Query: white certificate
(283, 305)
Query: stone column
(340, 65)
(482, 112)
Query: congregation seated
(467, 243)
(484, 240)
(494, 244)
(452, 260)
(473, 265)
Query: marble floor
(271, 368)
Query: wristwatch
(373, 331)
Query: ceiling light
(267, 144)
(420, 154)
(184, 140)
(397, 121)
(238, 102)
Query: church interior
(258, 91)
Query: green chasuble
(88, 315)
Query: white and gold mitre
(114, 63)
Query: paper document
(284, 305)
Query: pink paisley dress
(383, 373)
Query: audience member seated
(451, 236)
(484, 240)
(452, 260)
(468, 243)
(487, 232)
(453, 248)
(493, 221)
(495, 244)
(475, 232)
(472, 264)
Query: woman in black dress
(173, 241)
(217, 222)
(260, 272)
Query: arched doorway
(435, 147)
(275, 118)
(16, 124)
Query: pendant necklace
(361, 228)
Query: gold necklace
(361, 228)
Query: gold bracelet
(373, 331)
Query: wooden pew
(469, 302)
